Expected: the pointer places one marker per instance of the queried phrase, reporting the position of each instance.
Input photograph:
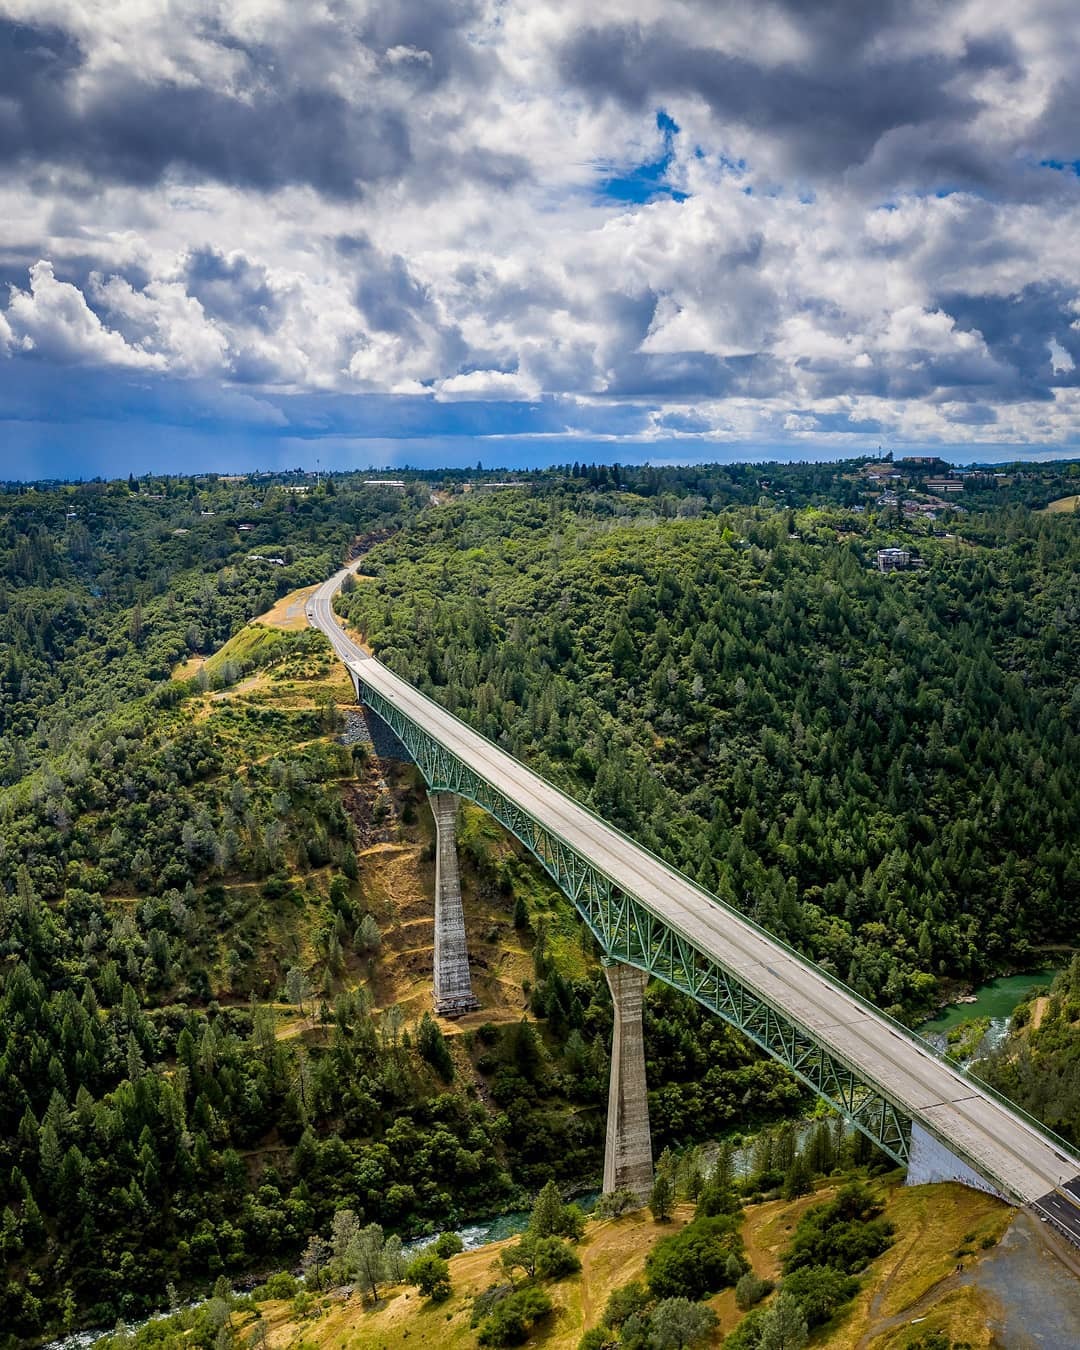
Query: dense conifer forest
(195, 1073)
(884, 769)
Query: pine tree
(799, 1179)
(662, 1197)
(297, 988)
(51, 1153)
(546, 1219)
(782, 1326)
(366, 1258)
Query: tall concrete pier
(453, 987)
(628, 1153)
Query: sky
(256, 233)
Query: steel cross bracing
(628, 931)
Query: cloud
(52, 320)
(485, 385)
(232, 287)
(257, 97)
(707, 221)
(1061, 362)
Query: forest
(880, 768)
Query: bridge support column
(628, 1152)
(453, 987)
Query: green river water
(995, 1000)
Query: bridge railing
(785, 947)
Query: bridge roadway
(1013, 1156)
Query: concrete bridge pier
(628, 1152)
(453, 986)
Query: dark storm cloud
(284, 123)
(32, 61)
(391, 299)
(687, 375)
(436, 30)
(234, 289)
(1017, 330)
(831, 110)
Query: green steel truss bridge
(919, 1108)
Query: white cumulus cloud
(53, 319)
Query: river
(994, 1001)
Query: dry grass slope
(915, 1281)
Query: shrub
(820, 1291)
(715, 1199)
(613, 1204)
(751, 1289)
(447, 1245)
(556, 1259)
(845, 1234)
(783, 1325)
(484, 1302)
(545, 1258)
(694, 1263)
(431, 1275)
(514, 1317)
(624, 1302)
(282, 1285)
(679, 1322)
(748, 1332)
(599, 1338)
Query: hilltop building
(893, 559)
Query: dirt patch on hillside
(1038, 1011)
(1063, 506)
(187, 670)
(395, 855)
(290, 612)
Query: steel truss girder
(629, 932)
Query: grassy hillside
(915, 1277)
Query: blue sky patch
(646, 181)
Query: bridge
(651, 921)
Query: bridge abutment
(930, 1160)
(628, 1152)
(453, 985)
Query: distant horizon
(476, 455)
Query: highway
(1013, 1156)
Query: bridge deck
(998, 1142)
